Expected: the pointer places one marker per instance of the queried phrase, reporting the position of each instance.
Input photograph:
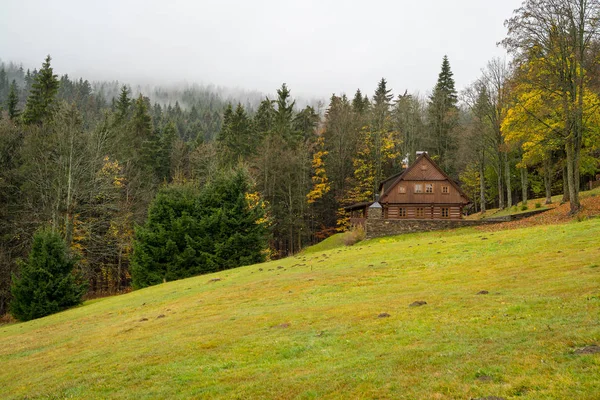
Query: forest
(87, 158)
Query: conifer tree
(358, 103)
(13, 101)
(123, 104)
(190, 231)
(41, 100)
(443, 115)
(47, 283)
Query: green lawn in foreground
(308, 327)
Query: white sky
(316, 47)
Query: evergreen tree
(47, 283)
(13, 101)
(264, 118)
(41, 100)
(167, 142)
(284, 115)
(4, 87)
(123, 104)
(190, 231)
(357, 102)
(443, 115)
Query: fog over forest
(317, 48)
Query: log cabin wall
(438, 211)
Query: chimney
(420, 152)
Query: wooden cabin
(421, 191)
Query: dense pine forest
(87, 159)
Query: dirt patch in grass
(591, 349)
(384, 315)
(417, 303)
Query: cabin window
(445, 189)
(429, 188)
(402, 212)
(418, 188)
(445, 212)
(420, 212)
(401, 189)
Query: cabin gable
(423, 183)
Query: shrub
(538, 205)
(355, 235)
(191, 231)
(47, 283)
(524, 207)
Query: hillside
(338, 324)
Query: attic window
(401, 189)
(429, 188)
(418, 188)
(445, 189)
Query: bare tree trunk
(507, 178)
(482, 184)
(500, 186)
(565, 185)
(548, 179)
(524, 185)
(572, 178)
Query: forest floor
(534, 204)
(512, 313)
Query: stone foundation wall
(385, 227)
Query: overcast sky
(316, 47)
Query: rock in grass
(282, 326)
(483, 292)
(161, 316)
(143, 319)
(591, 349)
(214, 280)
(489, 398)
(384, 315)
(417, 303)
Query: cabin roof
(385, 184)
(358, 206)
(400, 176)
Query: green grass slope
(308, 327)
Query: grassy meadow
(337, 323)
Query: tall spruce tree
(42, 97)
(443, 115)
(123, 104)
(13, 101)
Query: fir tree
(40, 103)
(123, 104)
(284, 115)
(47, 283)
(190, 232)
(3, 85)
(13, 101)
(443, 115)
(358, 103)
